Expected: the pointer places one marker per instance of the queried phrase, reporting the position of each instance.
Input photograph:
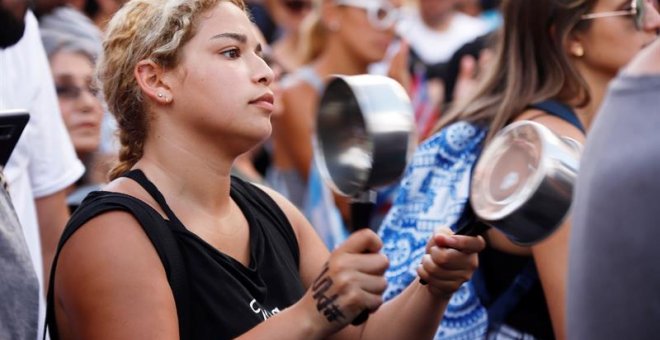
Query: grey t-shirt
(614, 266)
(19, 288)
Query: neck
(192, 176)
(597, 82)
(338, 58)
(438, 22)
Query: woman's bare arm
(416, 312)
(111, 284)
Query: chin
(86, 147)
(261, 135)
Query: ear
(331, 16)
(574, 46)
(151, 79)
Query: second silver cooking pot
(523, 182)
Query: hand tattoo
(326, 305)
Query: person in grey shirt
(19, 287)
(614, 274)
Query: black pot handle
(362, 207)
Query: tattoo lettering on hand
(326, 305)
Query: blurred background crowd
(440, 51)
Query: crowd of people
(166, 185)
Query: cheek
(67, 110)
(627, 46)
(98, 114)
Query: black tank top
(216, 296)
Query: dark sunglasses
(297, 5)
(70, 91)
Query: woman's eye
(232, 54)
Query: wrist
(433, 294)
(310, 323)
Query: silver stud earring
(160, 95)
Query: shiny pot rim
(542, 201)
(378, 108)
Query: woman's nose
(652, 17)
(88, 101)
(263, 73)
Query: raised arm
(356, 268)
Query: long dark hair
(530, 64)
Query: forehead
(71, 60)
(224, 17)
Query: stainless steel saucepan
(523, 183)
(365, 135)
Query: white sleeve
(54, 164)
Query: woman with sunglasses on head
(175, 247)
(553, 62)
(341, 37)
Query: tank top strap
(249, 195)
(160, 235)
(560, 110)
(138, 176)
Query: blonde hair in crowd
(143, 29)
(530, 65)
(314, 34)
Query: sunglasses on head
(381, 14)
(297, 5)
(637, 11)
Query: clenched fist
(351, 281)
(450, 260)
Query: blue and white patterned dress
(433, 193)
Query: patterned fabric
(433, 193)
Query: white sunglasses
(636, 11)
(380, 14)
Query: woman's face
(360, 34)
(220, 89)
(610, 43)
(81, 107)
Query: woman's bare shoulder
(110, 281)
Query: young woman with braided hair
(174, 247)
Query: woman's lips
(265, 102)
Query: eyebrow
(242, 38)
